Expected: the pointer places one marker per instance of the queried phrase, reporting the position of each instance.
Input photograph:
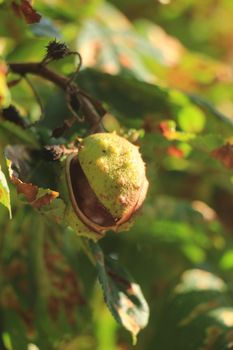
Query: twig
(91, 109)
(73, 77)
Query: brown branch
(91, 109)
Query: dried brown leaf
(28, 189)
(225, 155)
(24, 9)
(45, 199)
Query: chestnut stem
(92, 109)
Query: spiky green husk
(116, 173)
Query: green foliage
(159, 74)
(123, 296)
(200, 304)
(4, 192)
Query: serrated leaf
(122, 295)
(4, 192)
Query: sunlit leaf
(145, 99)
(206, 105)
(4, 92)
(29, 50)
(226, 261)
(109, 42)
(4, 192)
(191, 119)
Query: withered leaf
(18, 159)
(225, 155)
(24, 9)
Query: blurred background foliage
(163, 70)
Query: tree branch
(91, 109)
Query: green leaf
(29, 50)
(16, 330)
(15, 133)
(8, 16)
(4, 192)
(199, 101)
(70, 12)
(207, 142)
(4, 91)
(226, 262)
(124, 48)
(224, 123)
(191, 119)
(198, 314)
(134, 100)
(122, 295)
